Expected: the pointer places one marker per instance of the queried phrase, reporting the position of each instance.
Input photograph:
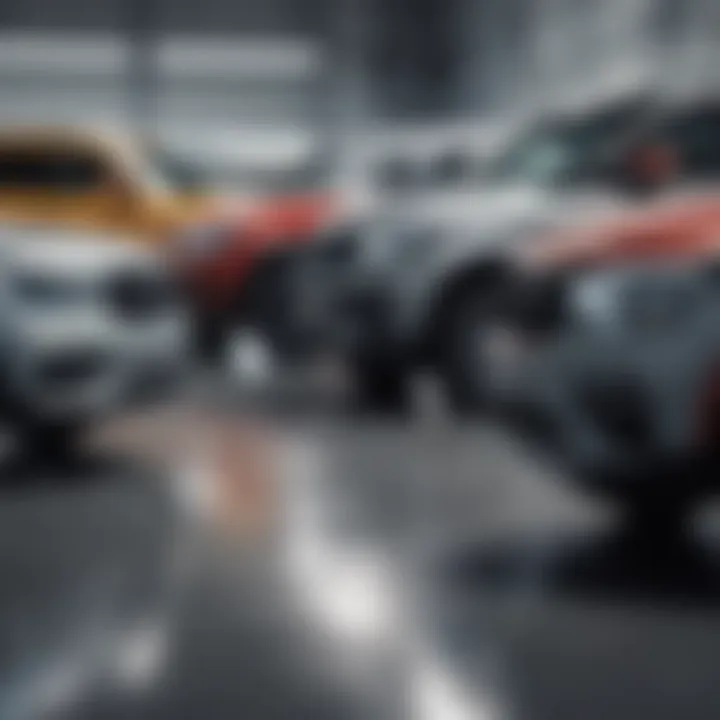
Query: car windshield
(563, 150)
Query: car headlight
(597, 299)
(644, 301)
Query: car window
(565, 150)
(696, 136)
(58, 172)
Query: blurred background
(287, 79)
(255, 543)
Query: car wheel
(51, 440)
(257, 333)
(657, 500)
(464, 352)
(209, 335)
(661, 519)
(380, 387)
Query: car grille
(72, 367)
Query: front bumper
(612, 409)
(79, 375)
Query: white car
(417, 282)
(88, 324)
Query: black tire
(462, 369)
(658, 498)
(209, 337)
(381, 388)
(659, 516)
(51, 440)
(266, 303)
(260, 305)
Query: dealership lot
(359, 360)
(403, 569)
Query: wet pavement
(313, 565)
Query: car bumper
(611, 410)
(74, 378)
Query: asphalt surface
(314, 564)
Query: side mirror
(648, 167)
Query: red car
(233, 268)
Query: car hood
(63, 252)
(681, 226)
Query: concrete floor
(352, 569)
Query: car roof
(65, 136)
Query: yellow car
(218, 247)
(91, 179)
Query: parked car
(422, 273)
(88, 326)
(237, 275)
(116, 183)
(94, 180)
(607, 349)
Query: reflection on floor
(327, 569)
